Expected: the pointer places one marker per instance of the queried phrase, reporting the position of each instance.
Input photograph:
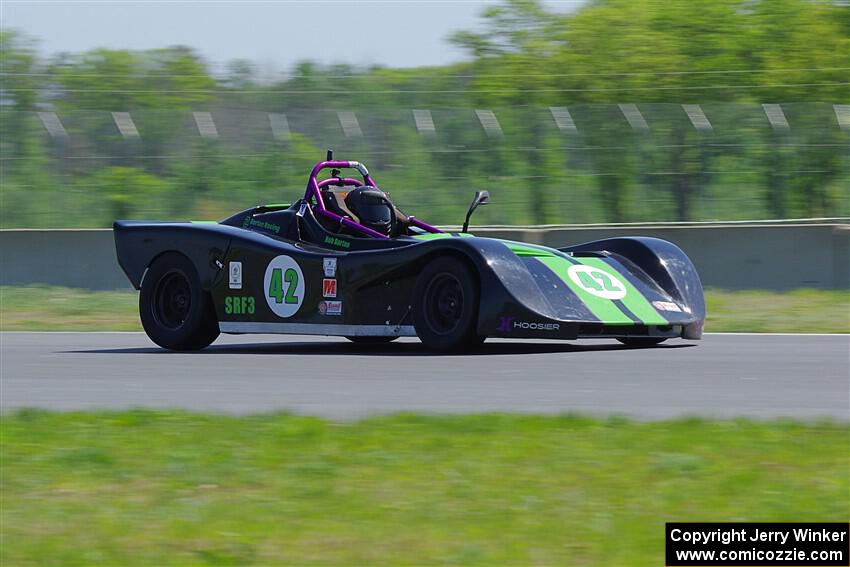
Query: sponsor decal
(505, 324)
(338, 242)
(239, 305)
(284, 285)
(301, 210)
(536, 326)
(330, 308)
(597, 281)
(666, 306)
(329, 265)
(328, 288)
(252, 222)
(235, 271)
(508, 324)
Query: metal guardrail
(774, 255)
(562, 117)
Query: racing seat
(402, 223)
(334, 200)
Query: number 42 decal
(290, 277)
(592, 279)
(284, 285)
(598, 282)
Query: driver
(373, 208)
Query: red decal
(328, 288)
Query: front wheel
(642, 341)
(445, 306)
(176, 312)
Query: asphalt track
(759, 376)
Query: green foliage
(726, 56)
(123, 192)
(174, 78)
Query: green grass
(799, 311)
(167, 488)
(42, 308)
(45, 308)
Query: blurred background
(591, 112)
(568, 112)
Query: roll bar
(314, 191)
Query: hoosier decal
(508, 324)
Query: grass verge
(43, 308)
(166, 488)
(47, 308)
(798, 311)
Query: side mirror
(481, 198)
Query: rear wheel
(176, 312)
(445, 306)
(371, 340)
(642, 341)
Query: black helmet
(373, 207)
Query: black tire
(176, 312)
(371, 340)
(642, 341)
(445, 306)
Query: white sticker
(329, 265)
(597, 281)
(301, 210)
(284, 286)
(330, 308)
(235, 271)
(666, 306)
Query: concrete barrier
(775, 256)
(66, 257)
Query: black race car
(344, 260)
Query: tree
(644, 51)
(175, 78)
(19, 90)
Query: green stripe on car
(438, 235)
(634, 299)
(603, 309)
(589, 291)
(522, 249)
